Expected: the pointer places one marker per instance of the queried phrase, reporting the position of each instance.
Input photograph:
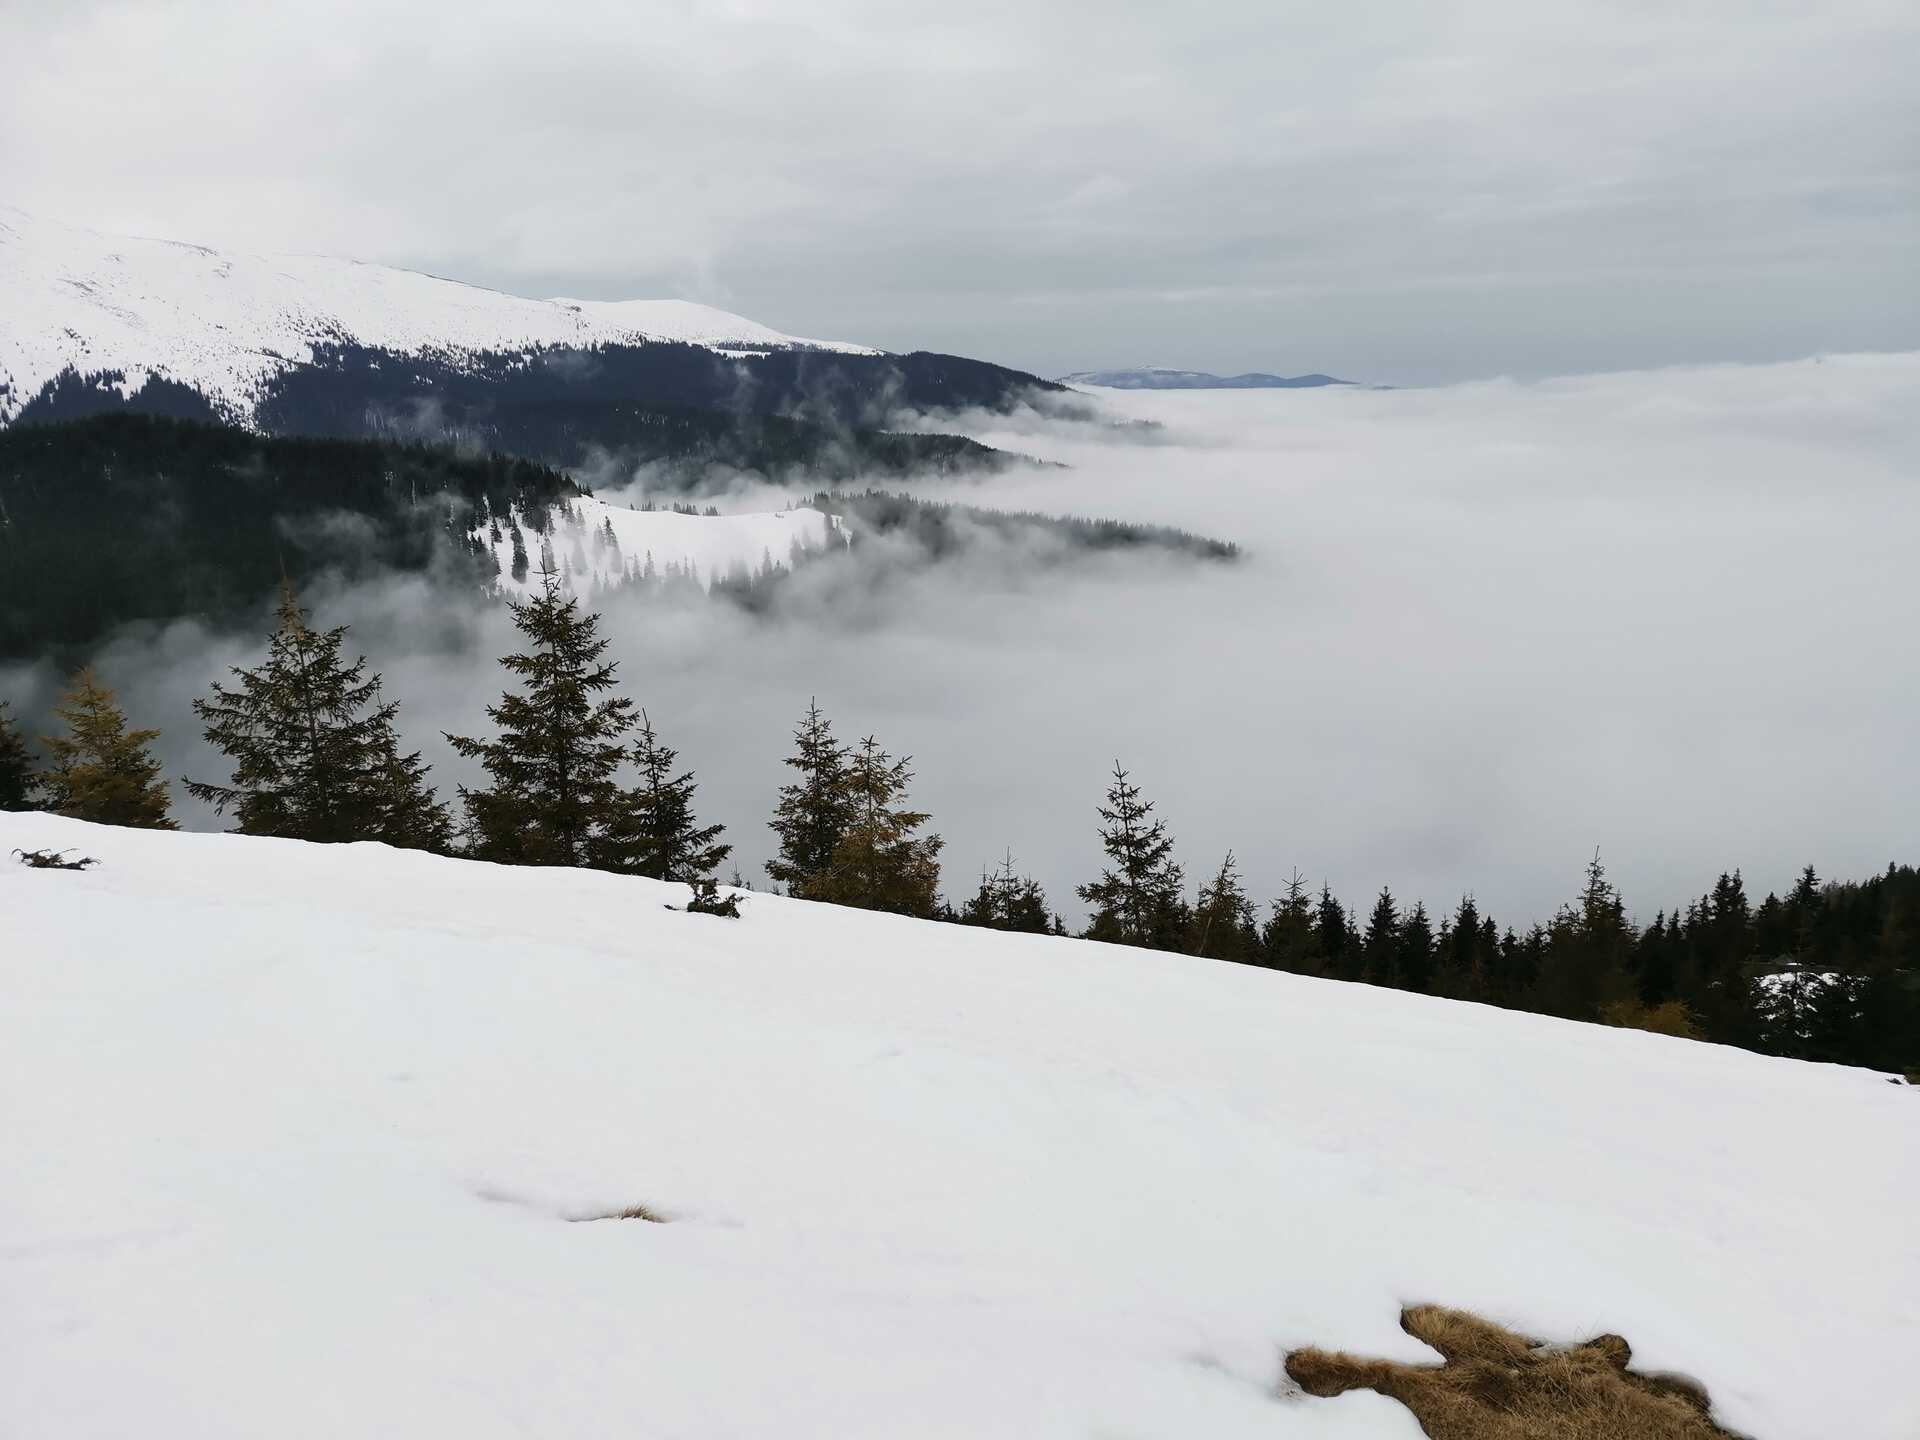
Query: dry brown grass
(632, 1212)
(1496, 1385)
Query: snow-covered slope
(224, 323)
(296, 1138)
(596, 543)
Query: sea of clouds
(1476, 633)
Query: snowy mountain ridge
(225, 323)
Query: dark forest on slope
(121, 518)
(683, 408)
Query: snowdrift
(303, 1140)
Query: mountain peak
(225, 323)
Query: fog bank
(1476, 632)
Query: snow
(295, 1133)
(225, 323)
(665, 544)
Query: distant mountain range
(315, 346)
(1152, 377)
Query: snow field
(295, 1132)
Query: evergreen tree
(1137, 899)
(315, 755)
(656, 834)
(814, 811)
(561, 742)
(1717, 987)
(518, 567)
(1292, 941)
(100, 770)
(1462, 961)
(1380, 949)
(1010, 901)
(1223, 926)
(1333, 932)
(18, 783)
(880, 864)
(1588, 949)
(1413, 963)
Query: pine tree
(1137, 899)
(1292, 939)
(560, 744)
(18, 783)
(519, 561)
(655, 834)
(1413, 965)
(1223, 926)
(315, 754)
(813, 812)
(1333, 933)
(880, 864)
(1589, 947)
(1462, 963)
(1010, 901)
(100, 770)
(1380, 949)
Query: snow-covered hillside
(224, 323)
(596, 543)
(304, 1141)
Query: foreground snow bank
(294, 1135)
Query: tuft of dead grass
(1496, 1385)
(53, 860)
(632, 1212)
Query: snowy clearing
(225, 322)
(663, 544)
(295, 1133)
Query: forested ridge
(118, 518)
(684, 408)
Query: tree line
(577, 775)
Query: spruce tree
(880, 864)
(560, 744)
(1223, 926)
(655, 833)
(1333, 933)
(314, 751)
(1291, 940)
(1010, 901)
(813, 812)
(18, 783)
(1413, 964)
(100, 770)
(1589, 946)
(519, 560)
(1380, 949)
(1137, 899)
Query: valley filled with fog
(1474, 633)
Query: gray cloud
(1479, 631)
(1404, 192)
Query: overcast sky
(1404, 192)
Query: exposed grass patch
(632, 1212)
(1496, 1385)
(53, 860)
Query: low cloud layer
(1478, 632)
(1402, 192)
